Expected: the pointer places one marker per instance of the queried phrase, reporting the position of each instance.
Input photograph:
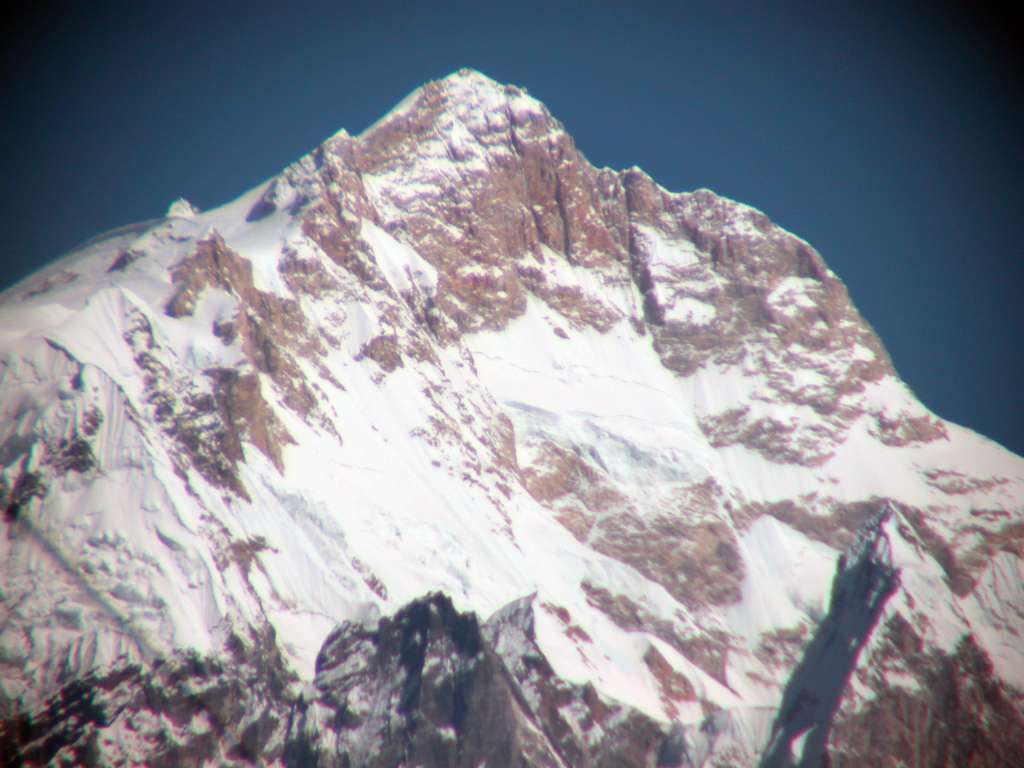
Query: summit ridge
(464, 91)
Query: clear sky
(892, 139)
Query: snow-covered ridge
(450, 355)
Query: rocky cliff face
(449, 355)
(428, 686)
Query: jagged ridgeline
(445, 447)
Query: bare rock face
(184, 711)
(272, 331)
(429, 686)
(433, 687)
(419, 688)
(520, 196)
(450, 357)
(964, 716)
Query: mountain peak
(467, 77)
(463, 93)
(451, 355)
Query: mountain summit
(445, 447)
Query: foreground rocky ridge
(449, 354)
(428, 686)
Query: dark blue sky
(890, 138)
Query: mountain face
(445, 448)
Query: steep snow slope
(450, 355)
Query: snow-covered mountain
(444, 447)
